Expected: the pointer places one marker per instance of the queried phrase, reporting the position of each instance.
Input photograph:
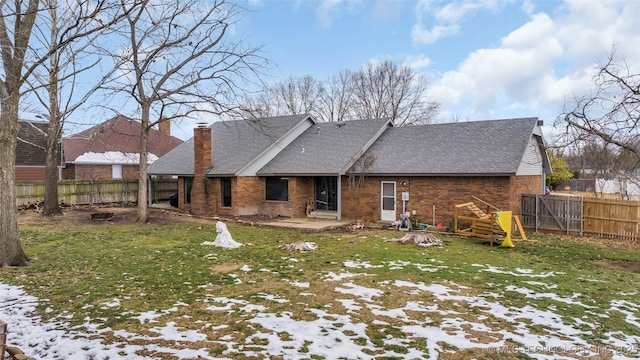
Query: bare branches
(181, 58)
(387, 90)
(178, 60)
(357, 175)
(378, 90)
(608, 118)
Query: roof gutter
(440, 174)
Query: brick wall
(443, 192)
(301, 190)
(523, 185)
(30, 173)
(202, 161)
(97, 172)
(69, 172)
(248, 196)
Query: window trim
(273, 181)
(223, 183)
(187, 185)
(116, 171)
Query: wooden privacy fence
(95, 192)
(576, 215)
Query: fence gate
(552, 213)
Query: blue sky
(485, 59)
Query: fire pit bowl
(102, 216)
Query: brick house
(278, 166)
(30, 154)
(111, 150)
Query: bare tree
(609, 115)
(297, 95)
(16, 23)
(20, 60)
(378, 90)
(293, 96)
(178, 59)
(66, 30)
(356, 179)
(388, 90)
(336, 97)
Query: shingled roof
(234, 144)
(118, 135)
(326, 148)
(490, 147)
(32, 139)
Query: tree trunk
(11, 253)
(51, 206)
(52, 153)
(142, 172)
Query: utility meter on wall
(405, 196)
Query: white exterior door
(388, 201)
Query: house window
(188, 183)
(116, 171)
(225, 191)
(277, 189)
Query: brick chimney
(202, 161)
(164, 127)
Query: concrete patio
(304, 223)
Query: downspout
(339, 193)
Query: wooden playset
(492, 224)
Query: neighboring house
(277, 166)
(30, 153)
(111, 150)
(628, 188)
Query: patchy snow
(531, 294)
(360, 265)
(363, 293)
(476, 321)
(46, 340)
(299, 284)
(112, 157)
(518, 272)
(331, 276)
(245, 268)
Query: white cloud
(423, 36)
(447, 18)
(256, 3)
(326, 12)
(538, 67)
(456, 11)
(589, 29)
(417, 62)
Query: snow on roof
(112, 157)
(33, 117)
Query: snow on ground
(444, 316)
